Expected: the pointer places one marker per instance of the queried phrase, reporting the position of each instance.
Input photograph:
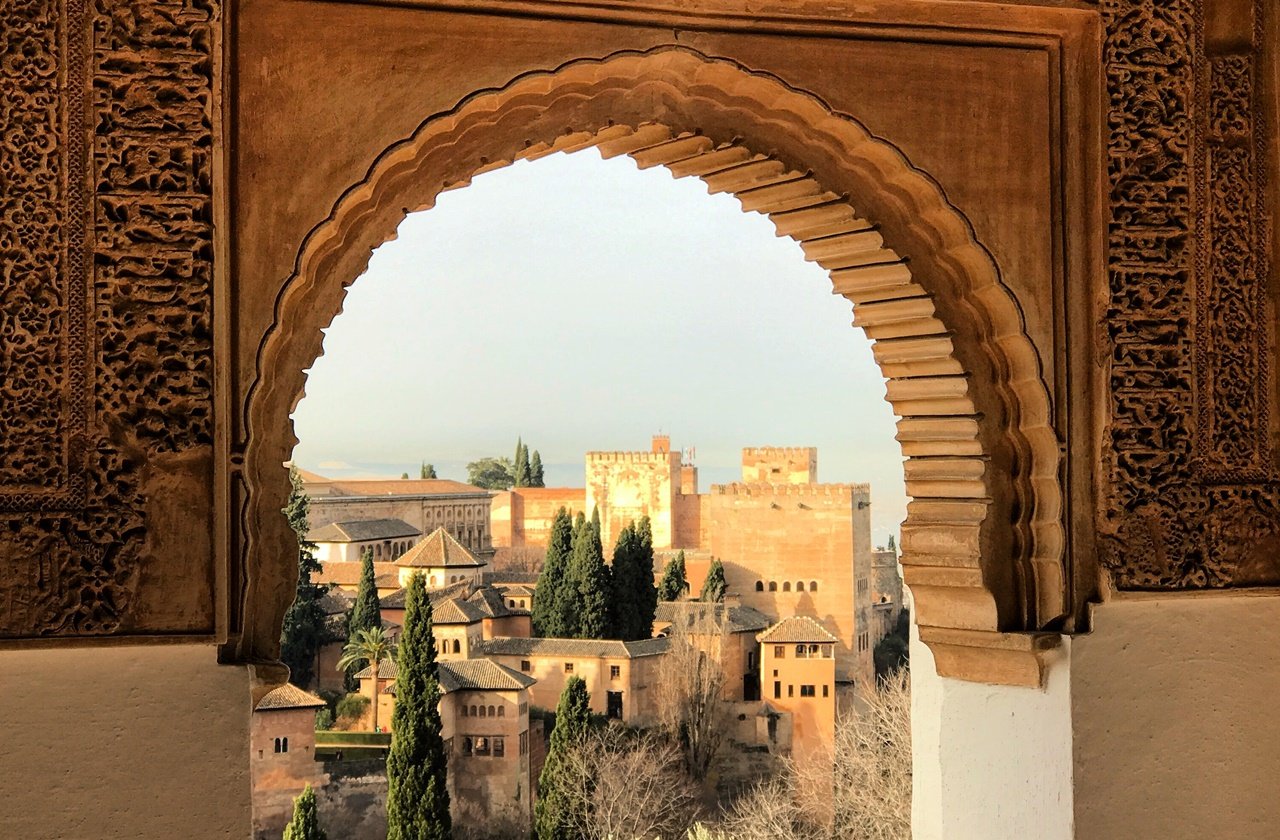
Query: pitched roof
(362, 530)
(511, 646)
(386, 670)
(735, 619)
(336, 601)
(345, 573)
(480, 675)
(797, 628)
(492, 604)
(288, 696)
(391, 487)
(438, 550)
(519, 590)
(396, 600)
(455, 611)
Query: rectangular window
(791, 691)
(807, 691)
(525, 666)
(499, 747)
(779, 652)
(482, 746)
(568, 667)
(777, 690)
(824, 690)
(524, 743)
(615, 672)
(613, 705)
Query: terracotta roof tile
(439, 550)
(734, 619)
(455, 611)
(392, 487)
(510, 646)
(386, 670)
(797, 628)
(343, 573)
(288, 696)
(480, 675)
(362, 530)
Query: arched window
(799, 586)
(277, 749)
(813, 586)
(502, 711)
(813, 651)
(759, 586)
(284, 745)
(473, 711)
(801, 651)
(433, 580)
(457, 646)
(492, 712)
(773, 586)
(463, 710)
(482, 711)
(786, 586)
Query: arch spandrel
(983, 541)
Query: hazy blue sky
(585, 304)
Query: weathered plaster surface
(124, 743)
(991, 761)
(1173, 704)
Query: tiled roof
(480, 675)
(518, 590)
(797, 628)
(392, 487)
(510, 646)
(344, 573)
(336, 601)
(288, 696)
(499, 576)
(734, 619)
(363, 530)
(455, 611)
(490, 601)
(396, 600)
(386, 670)
(438, 550)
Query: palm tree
(369, 647)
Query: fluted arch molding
(983, 540)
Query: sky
(585, 304)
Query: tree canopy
(491, 473)
(713, 588)
(305, 824)
(427, 471)
(303, 630)
(552, 816)
(588, 586)
(417, 793)
(674, 584)
(550, 597)
(634, 598)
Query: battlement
(785, 451)
(762, 489)
(631, 457)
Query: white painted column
(990, 762)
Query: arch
(983, 540)
(813, 586)
(773, 586)
(799, 586)
(786, 586)
(457, 646)
(759, 586)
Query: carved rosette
(105, 294)
(1193, 498)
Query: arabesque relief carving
(1193, 498)
(105, 294)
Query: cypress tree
(552, 818)
(305, 824)
(892, 546)
(427, 471)
(586, 608)
(520, 466)
(714, 586)
(366, 612)
(626, 605)
(417, 796)
(303, 630)
(646, 594)
(569, 597)
(536, 478)
(674, 584)
(547, 601)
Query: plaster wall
(627, 486)
(1174, 718)
(993, 761)
(104, 732)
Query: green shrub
(352, 707)
(324, 719)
